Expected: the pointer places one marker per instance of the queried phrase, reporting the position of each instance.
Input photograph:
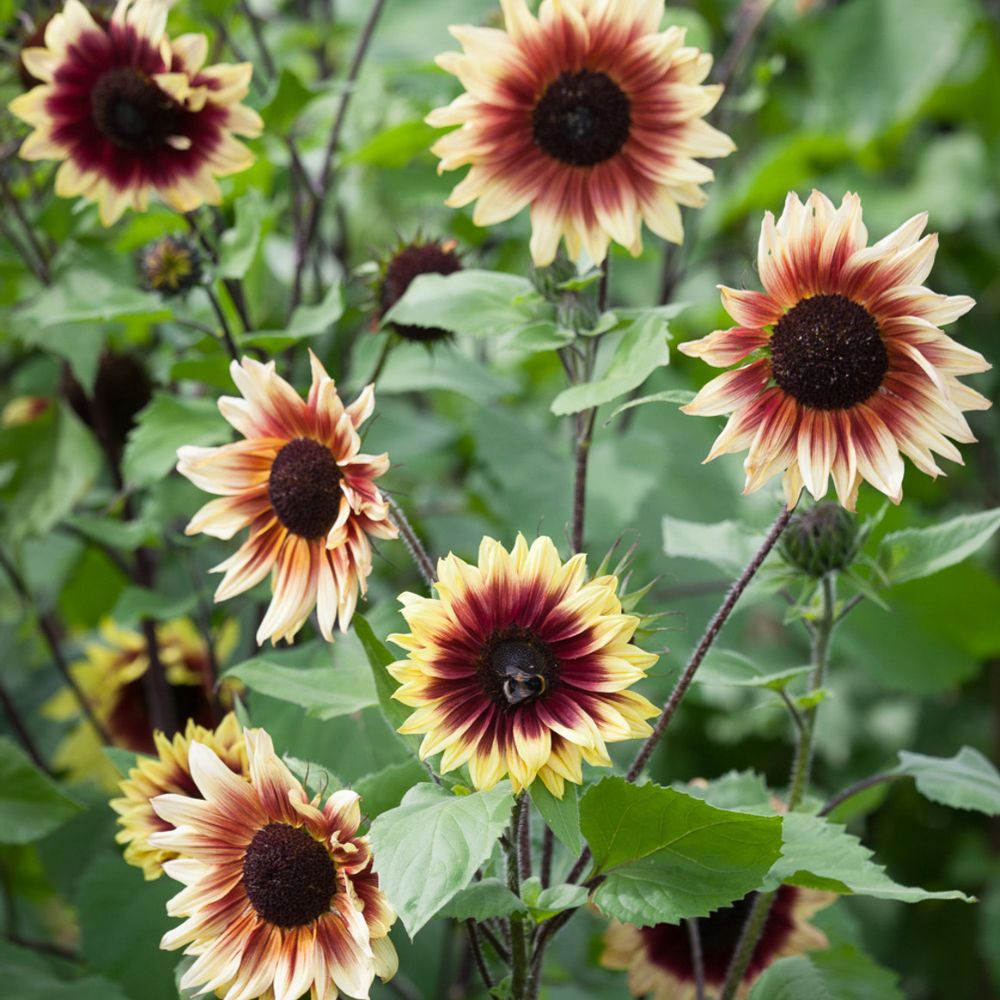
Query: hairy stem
(477, 953)
(412, 542)
(518, 944)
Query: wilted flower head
(589, 114)
(129, 111)
(848, 370)
(170, 265)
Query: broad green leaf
(744, 791)
(411, 368)
(324, 692)
(728, 668)
(666, 855)
(429, 847)
(395, 146)
(87, 296)
(792, 978)
(546, 903)
(239, 245)
(677, 396)
(379, 657)
(487, 898)
(966, 781)
(31, 805)
(127, 535)
(136, 603)
(315, 778)
(289, 98)
(306, 321)
(79, 343)
(562, 816)
(821, 855)
(916, 552)
(166, 424)
(728, 545)
(850, 974)
(384, 790)
(641, 350)
(474, 303)
(26, 976)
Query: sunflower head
(823, 539)
(847, 369)
(397, 272)
(130, 112)
(170, 265)
(521, 666)
(301, 910)
(589, 114)
(168, 771)
(658, 958)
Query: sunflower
(588, 113)
(168, 772)
(521, 666)
(658, 958)
(129, 111)
(111, 678)
(848, 369)
(304, 489)
(280, 897)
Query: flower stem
(518, 945)
(859, 786)
(477, 953)
(799, 785)
(21, 730)
(412, 542)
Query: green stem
(760, 909)
(518, 944)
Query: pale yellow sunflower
(658, 958)
(848, 370)
(521, 666)
(279, 893)
(169, 772)
(589, 114)
(130, 111)
(305, 490)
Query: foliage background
(895, 99)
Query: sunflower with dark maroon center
(589, 114)
(305, 490)
(659, 961)
(848, 370)
(397, 274)
(279, 893)
(521, 667)
(129, 111)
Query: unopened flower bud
(170, 265)
(820, 540)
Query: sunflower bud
(170, 265)
(821, 540)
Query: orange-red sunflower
(280, 897)
(589, 114)
(130, 111)
(659, 961)
(520, 666)
(168, 772)
(301, 484)
(847, 370)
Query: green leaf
(821, 855)
(488, 898)
(792, 978)
(31, 805)
(126, 535)
(25, 976)
(546, 903)
(729, 545)
(87, 296)
(428, 848)
(916, 552)
(306, 321)
(287, 102)
(379, 657)
(678, 396)
(641, 350)
(731, 669)
(474, 303)
(324, 692)
(740, 790)
(395, 146)
(966, 781)
(666, 855)
(561, 815)
(136, 603)
(384, 790)
(124, 760)
(166, 424)
(239, 245)
(411, 368)
(850, 974)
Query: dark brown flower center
(131, 111)
(669, 945)
(827, 353)
(516, 667)
(405, 265)
(289, 877)
(583, 118)
(304, 487)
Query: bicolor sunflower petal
(129, 113)
(658, 958)
(589, 114)
(520, 667)
(305, 490)
(847, 369)
(279, 894)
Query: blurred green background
(898, 100)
